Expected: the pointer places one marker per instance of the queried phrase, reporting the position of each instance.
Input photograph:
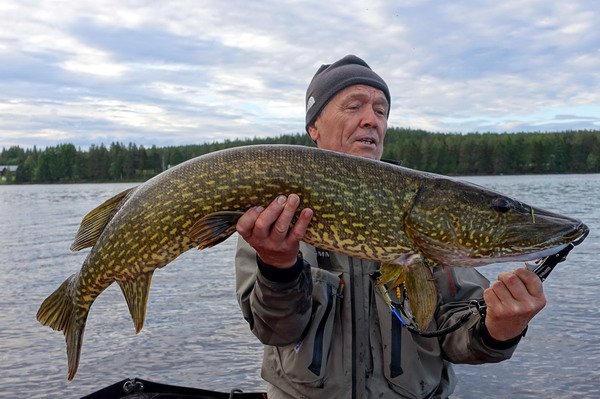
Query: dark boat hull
(136, 388)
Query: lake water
(194, 334)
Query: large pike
(363, 208)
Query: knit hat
(333, 78)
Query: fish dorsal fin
(136, 294)
(93, 224)
(214, 228)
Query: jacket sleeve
(471, 343)
(276, 303)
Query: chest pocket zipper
(317, 359)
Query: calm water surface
(194, 334)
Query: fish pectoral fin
(93, 224)
(214, 228)
(412, 274)
(421, 292)
(392, 275)
(136, 294)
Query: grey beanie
(332, 78)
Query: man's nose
(369, 117)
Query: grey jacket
(328, 334)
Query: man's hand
(269, 230)
(512, 302)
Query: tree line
(117, 162)
(450, 154)
(493, 154)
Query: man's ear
(313, 132)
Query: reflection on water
(194, 333)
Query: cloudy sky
(183, 72)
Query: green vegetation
(450, 154)
(492, 154)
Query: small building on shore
(7, 172)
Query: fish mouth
(447, 254)
(573, 235)
(584, 231)
(534, 256)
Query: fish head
(462, 224)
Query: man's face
(354, 122)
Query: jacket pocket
(412, 365)
(305, 362)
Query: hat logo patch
(310, 102)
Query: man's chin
(366, 151)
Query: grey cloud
(191, 74)
(595, 120)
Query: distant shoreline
(476, 154)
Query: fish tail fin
(55, 312)
(60, 312)
(74, 339)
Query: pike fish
(405, 219)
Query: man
(327, 332)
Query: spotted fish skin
(363, 208)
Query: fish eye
(501, 205)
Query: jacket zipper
(353, 317)
(317, 359)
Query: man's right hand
(270, 232)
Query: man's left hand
(512, 301)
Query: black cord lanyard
(542, 268)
